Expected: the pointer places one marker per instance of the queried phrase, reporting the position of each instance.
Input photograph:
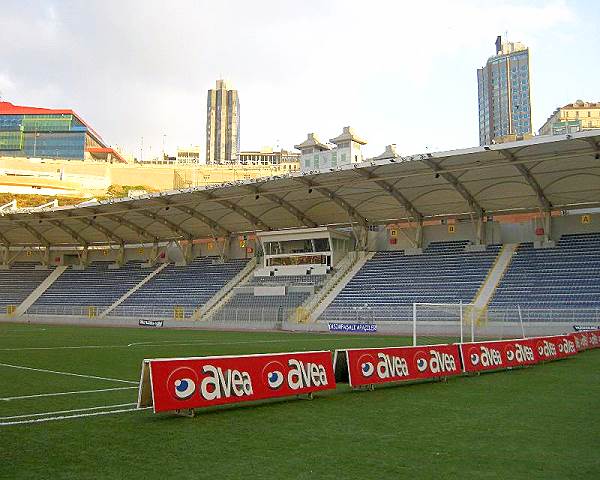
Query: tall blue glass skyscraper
(504, 93)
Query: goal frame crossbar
(461, 310)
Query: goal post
(435, 322)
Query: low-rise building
(189, 154)
(286, 160)
(50, 133)
(573, 117)
(345, 149)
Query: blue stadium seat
(97, 286)
(250, 307)
(566, 277)
(388, 284)
(17, 283)
(188, 286)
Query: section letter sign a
(188, 383)
(368, 366)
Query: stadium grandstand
(507, 228)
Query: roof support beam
(214, 226)
(296, 212)
(254, 220)
(209, 222)
(72, 233)
(456, 184)
(349, 209)
(529, 178)
(37, 235)
(176, 229)
(394, 193)
(133, 227)
(4, 240)
(595, 145)
(96, 226)
(299, 214)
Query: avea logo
(273, 375)
(294, 375)
(519, 353)
(567, 346)
(435, 362)
(182, 383)
(391, 366)
(302, 375)
(546, 349)
(366, 364)
(487, 357)
(218, 383)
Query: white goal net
(446, 322)
(465, 322)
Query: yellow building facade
(573, 117)
(93, 178)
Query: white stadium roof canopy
(544, 173)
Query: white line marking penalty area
(20, 367)
(66, 417)
(85, 409)
(57, 394)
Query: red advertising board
(188, 383)
(554, 347)
(368, 366)
(587, 339)
(498, 355)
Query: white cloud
(7, 86)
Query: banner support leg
(185, 412)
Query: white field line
(66, 417)
(243, 342)
(56, 394)
(24, 331)
(167, 343)
(86, 409)
(66, 373)
(76, 347)
(173, 343)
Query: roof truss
(529, 178)
(455, 183)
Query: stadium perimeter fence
(456, 321)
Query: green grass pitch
(538, 422)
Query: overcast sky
(398, 72)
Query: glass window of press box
(297, 246)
